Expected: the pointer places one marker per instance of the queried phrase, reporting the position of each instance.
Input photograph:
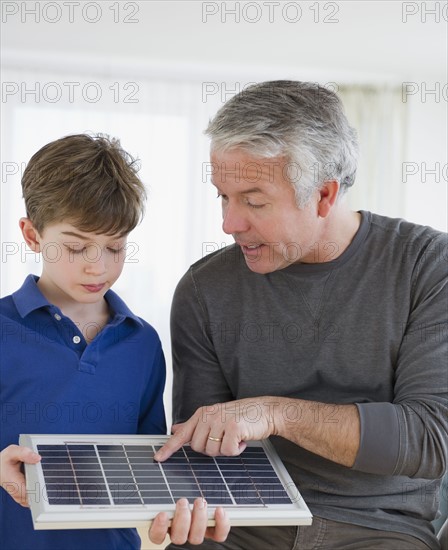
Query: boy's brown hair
(88, 181)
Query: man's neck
(341, 228)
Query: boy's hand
(11, 477)
(189, 526)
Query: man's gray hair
(300, 121)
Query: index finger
(183, 435)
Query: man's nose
(234, 219)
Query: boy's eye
(75, 250)
(81, 250)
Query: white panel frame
(51, 516)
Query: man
(322, 328)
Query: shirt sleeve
(409, 436)
(152, 416)
(197, 377)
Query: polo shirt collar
(118, 307)
(29, 298)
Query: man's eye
(254, 205)
(116, 250)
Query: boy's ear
(30, 234)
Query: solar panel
(96, 481)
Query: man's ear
(30, 234)
(328, 195)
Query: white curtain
(161, 120)
(380, 118)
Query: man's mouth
(251, 249)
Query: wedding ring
(218, 439)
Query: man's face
(79, 267)
(259, 210)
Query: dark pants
(323, 534)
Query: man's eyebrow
(245, 191)
(253, 190)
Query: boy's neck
(93, 317)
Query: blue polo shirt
(52, 381)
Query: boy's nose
(95, 262)
(96, 268)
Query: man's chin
(261, 266)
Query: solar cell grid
(112, 475)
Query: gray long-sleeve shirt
(370, 328)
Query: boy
(74, 358)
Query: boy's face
(78, 267)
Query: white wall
(358, 38)
(426, 172)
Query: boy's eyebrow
(72, 234)
(79, 236)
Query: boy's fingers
(221, 530)
(198, 522)
(28, 456)
(159, 528)
(17, 453)
(16, 490)
(12, 479)
(180, 525)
